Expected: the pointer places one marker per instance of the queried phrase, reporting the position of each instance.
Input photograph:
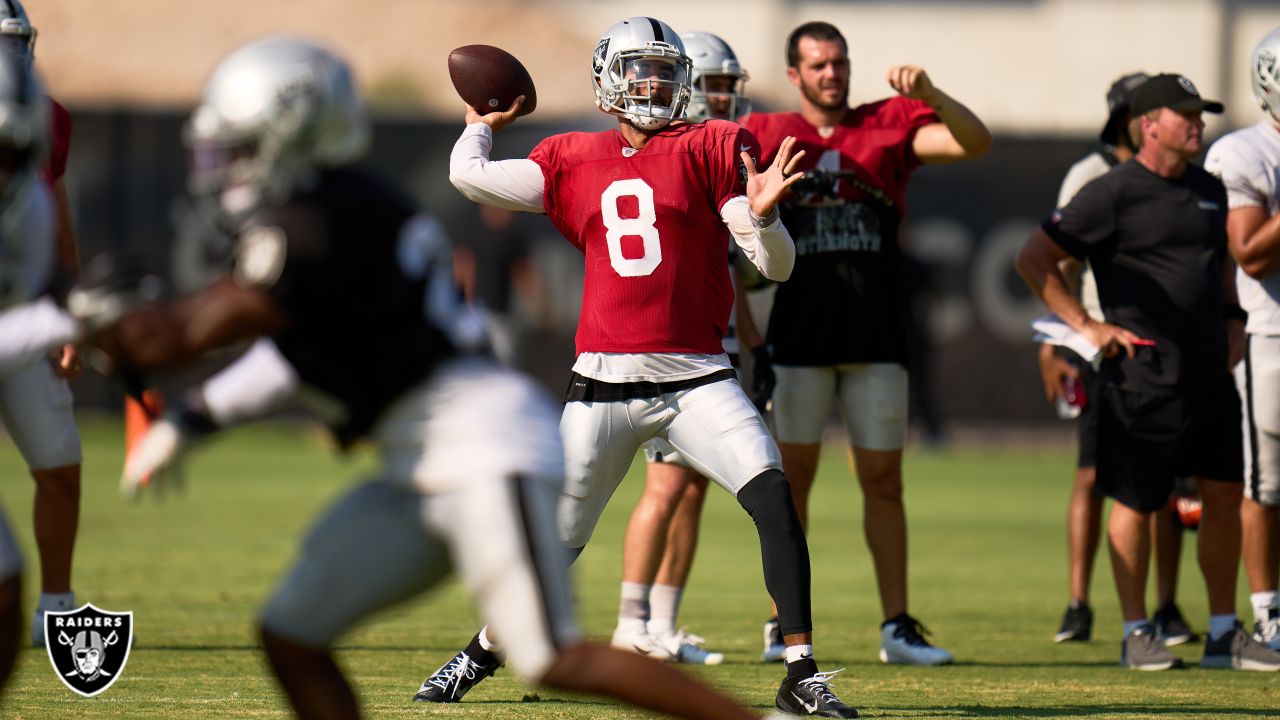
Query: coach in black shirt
(1154, 231)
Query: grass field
(988, 577)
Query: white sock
(57, 601)
(1131, 625)
(1263, 603)
(664, 605)
(485, 642)
(1220, 625)
(799, 652)
(633, 607)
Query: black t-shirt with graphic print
(1157, 247)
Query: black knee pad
(767, 499)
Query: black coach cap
(1119, 98)
(1172, 91)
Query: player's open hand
(497, 119)
(765, 188)
(912, 82)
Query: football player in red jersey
(275, 147)
(647, 204)
(838, 328)
(37, 397)
(662, 534)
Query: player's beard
(813, 93)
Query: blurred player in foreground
(31, 324)
(662, 535)
(1248, 162)
(355, 289)
(37, 400)
(647, 204)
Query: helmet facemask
(237, 171)
(1265, 74)
(648, 86)
(18, 36)
(719, 96)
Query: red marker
(1144, 342)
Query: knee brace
(783, 549)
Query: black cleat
(453, 680)
(1077, 623)
(1171, 627)
(812, 697)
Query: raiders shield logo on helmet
(88, 647)
(598, 57)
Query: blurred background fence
(1035, 70)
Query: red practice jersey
(873, 142)
(648, 223)
(845, 301)
(59, 143)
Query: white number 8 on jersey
(642, 226)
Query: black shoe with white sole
(454, 679)
(1171, 627)
(812, 696)
(1077, 623)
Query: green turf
(988, 577)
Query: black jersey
(1157, 247)
(358, 274)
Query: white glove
(153, 458)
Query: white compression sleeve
(511, 184)
(764, 241)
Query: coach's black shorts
(1145, 442)
(1087, 423)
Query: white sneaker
(902, 641)
(641, 643)
(775, 650)
(1267, 631)
(686, 648)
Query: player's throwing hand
(496, 120)
(764, 189)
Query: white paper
(1051, 329)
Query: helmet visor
(650, 79)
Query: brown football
(490, 79)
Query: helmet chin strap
(648, 122)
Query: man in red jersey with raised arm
(837, 332)
(647, 204)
